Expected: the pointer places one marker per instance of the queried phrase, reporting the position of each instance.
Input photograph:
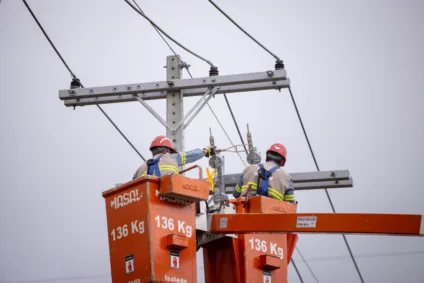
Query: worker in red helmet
(268, 179)
(166, 159)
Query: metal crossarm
(275, 85)
(173, 85)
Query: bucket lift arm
(345, 223)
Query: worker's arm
(289, 193)
(238, 188)
(189, 156)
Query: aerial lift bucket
(251, 257)
(151, 226)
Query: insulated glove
(209, 150)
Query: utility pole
(174, 89)
(174, 103)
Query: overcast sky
(356, 69)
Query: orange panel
(184, 188)
(176, 242)
(255, 245)
(398, 224)
(261, 204)
(291, 245)
(180, 219)
(139, 221)
(221, 261)
(267, 262)
(127, 221)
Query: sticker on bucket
(175, 259)
(266, 277)
(306, 222)
(223, 222)
(129, 264)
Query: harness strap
(153, 166)
(264, 175)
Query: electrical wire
(326, 191)
(168, 36)
(186, 66)
(307, 265)
(303, 128)
(235, 122)
(48, 38)
(75, 77)
(245, 32)
(297, 271)
(166, 42)
(376, 255)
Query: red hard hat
(280, 149)
(162, 141)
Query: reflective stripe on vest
(264, 175)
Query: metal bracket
(152, 111)
(196, 109)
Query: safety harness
(264, 175)
(153, 166)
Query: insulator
(75, 83)
(279, 65)
(213, 71)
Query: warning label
(175, 259)
(129, 264)
(306, 222)
(266, 277)
(223, 222)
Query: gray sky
(355, 68)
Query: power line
(376, 255)
(222, 127)
(278, 62)
(326, 191)
(168, 36)
(235, 122)
(245, 32)
(48, 38)
(297, 271)
(303, 128)
(186, 66)
(166, 42)
(76, 79)
(307, 265)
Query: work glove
(209, 150)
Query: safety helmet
(162, 141)
(280, 150)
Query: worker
(273, 181)
(166, 160)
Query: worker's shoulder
(250, 168)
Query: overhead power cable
(307, 265)
(297, 270)
(235, 122)
(76, 79)
(167, 35)
(245, 32)
(303, 128)
(186, 66)
(326, 191)
(373, 255)
(279, 61)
